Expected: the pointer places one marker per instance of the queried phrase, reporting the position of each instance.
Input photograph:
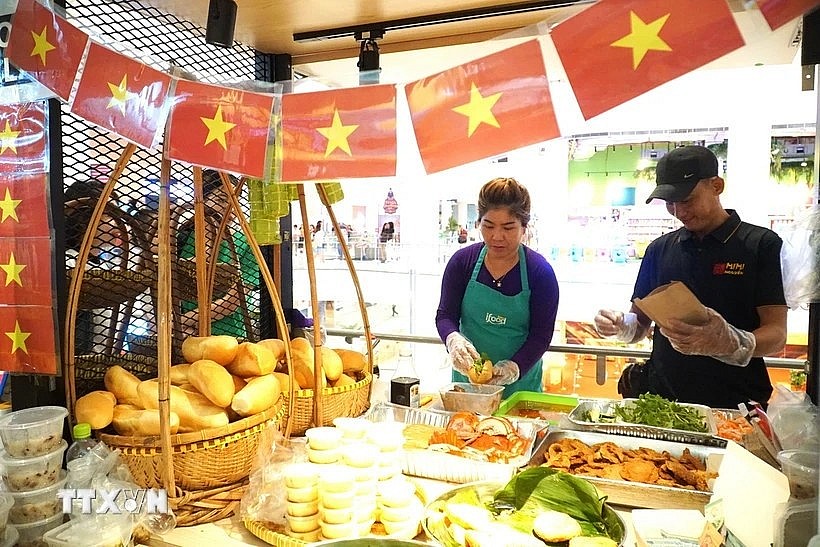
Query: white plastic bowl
(36, 505)
(26, 474)
(32, 431)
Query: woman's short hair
(505, 192)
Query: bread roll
(260, 394)
(331, 364)
(179, 374)
(352, 361)
(221, 348)
(303, 362)
(213, 381)
(131, 421)
(238, 383)
(123, 385)
(276, 347)
(96, 409)
(284, 382)
(252, 360)
(195, 411)
(344, 380)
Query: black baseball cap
(679, 171)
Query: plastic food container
(25, 474)
(801, 468)
(32, 431)
(323, 438)
(31, 534)
(101, 531)
(9, 536)
(463, 396)
(37, 505)
(6, 501)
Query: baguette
(260, 394)
(331, 364)
(221, 348)
(275, 345)
(131, 421)
(212, 380)
(251, 360)
(123, 385)
(284, 382)
(96, 409)
(352, 360)
(195, 411)
(179, 374)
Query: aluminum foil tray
(636, 494)
(576, 421)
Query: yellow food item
(179, 374)
(123, 385)
(276, 347)
(344, 380)
(284, 382)
(96, 409)
(212, 380)
(195, 411)
(555, 526)
(258, 395)
(251, 360)
(481, 372)
(352, 361)
(331, 363)
(132, 421)
(220, 348)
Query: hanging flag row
(27, 305)
(612, 51)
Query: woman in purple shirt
(499, 298)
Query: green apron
(498, 324)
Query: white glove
(614, 323)
(462, 352)
(717, 338)
(504, 373)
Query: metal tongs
(762, 427)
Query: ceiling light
(221, 23)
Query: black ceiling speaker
(810, 43)
(221, 23)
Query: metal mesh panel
(118, 299)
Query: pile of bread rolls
(222, 381)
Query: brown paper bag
(672, 301)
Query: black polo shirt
(733, 270)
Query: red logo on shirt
(728, 268)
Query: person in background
(732, 267)
(385, 237)
(499, 298)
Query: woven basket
(107, 288)
(89, 370)
(351, 400)
(211, 458)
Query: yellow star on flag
(643, 37)
(217, 127)
(13, 270)
(7, 137)
(18, 338)
(479, 110)
(9, 207)
(119, 94)
(337, 134)
(41, 45)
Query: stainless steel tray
(636, 494)
(607, 406)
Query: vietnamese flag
(25, 271)
(46, 46)
(24, 210)
(23, 141)
(780, 12)
(219, 127)
(340, 133)
(122, 95)
(482, 108)
(616, 50)
(27, 341)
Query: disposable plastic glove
(504, 373)
(618, 324)
(717, 338)
(462, 352)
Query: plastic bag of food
(794, 419)
(799, 259)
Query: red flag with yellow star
(780, 12)
(340, 133)
(24, 206)
(25, 271)
(27, 341)
(46, 46)
(482, 108)
(23, 141)
(219, 127)
(123, 96)
(616, 50)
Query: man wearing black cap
(732, 267)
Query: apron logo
(494, 319)
(728, 268)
